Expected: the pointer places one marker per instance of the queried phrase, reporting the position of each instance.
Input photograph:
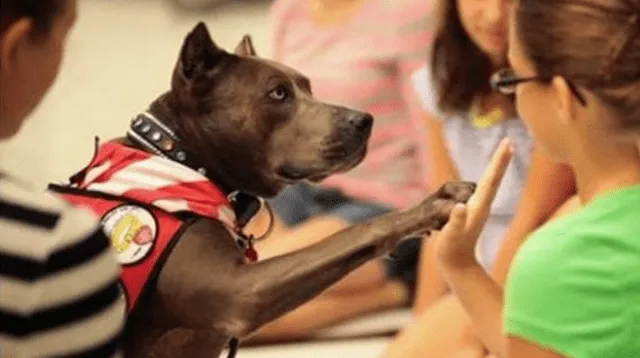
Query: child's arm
(455, 249)
(414, 38)
(549, 184)
(442, 167)
(430, 285)
(520, 348)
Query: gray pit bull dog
(257, 128)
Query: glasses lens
(504, 81)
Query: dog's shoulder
(208, 234)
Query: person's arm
(414, 38)
(482, 299)
(56, 264)
(412, 341)
(549, 184)
(517, 347)
(442, 166)
(455, 249)
(481, 295)
(430, 284)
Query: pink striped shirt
(366, 63)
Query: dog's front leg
(205, 284)
(188, 343)
(281, 284)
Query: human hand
(455, 244)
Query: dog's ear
(245, 47)
(199, 53)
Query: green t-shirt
(574, 287)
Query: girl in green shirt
(574, 287)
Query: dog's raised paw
(435, 210)
(458, 191)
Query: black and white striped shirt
(59, 294)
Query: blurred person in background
(361, 54)
(572, 290)
(466, 121)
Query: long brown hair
(460, 70)
(593, 43)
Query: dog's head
(255, 123)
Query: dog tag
(246, 243)
(251, 253)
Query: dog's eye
(279, 93)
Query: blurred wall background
(119, 57)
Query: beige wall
(120, 56)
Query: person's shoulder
(20, 195)
(621, 205)
(570, 278)
(611, 225)
(557, 237)
(603, 236)
(611, 222)
(47, 244)
(425, 88)
(29, 212)
(421, 77)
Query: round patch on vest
(132, 230)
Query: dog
(232, 122)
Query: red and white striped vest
(144, 202)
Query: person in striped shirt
(59, 292)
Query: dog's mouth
(292, 173)
(345, 158)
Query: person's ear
(13, 39)
(564, 100)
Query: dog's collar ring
(246, 207)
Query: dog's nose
(361, 121)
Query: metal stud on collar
(158, 138)
(168, 144)
(182, 156)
